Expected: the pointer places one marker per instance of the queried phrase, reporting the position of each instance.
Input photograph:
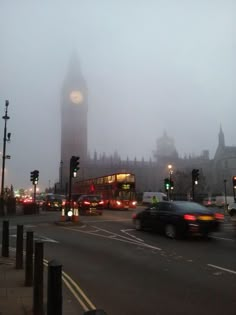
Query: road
(124, 271)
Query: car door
(166, 214)
(154, 217)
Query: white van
(147, 197)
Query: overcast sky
(150, 66)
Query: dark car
(232, 209)
(177, 219)
(53, 202)
(90, 204)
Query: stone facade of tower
(74, 109)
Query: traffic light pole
(5, 117)
(193, 186)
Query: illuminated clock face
(76, 97)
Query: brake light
(86, 202)
(189, 217)
(101, 202)
(118, 202)
(219, 216)
(134, 203)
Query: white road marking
(223, 238)
(98, 221)
(131, 235)
(115, 237)
(221, 268)
(38, 238)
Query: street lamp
(170, 179)
(6, 138)
(226, 206)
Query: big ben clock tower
(74, 109)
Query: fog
(150, 66)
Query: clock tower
(74, 109)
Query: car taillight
(63, 203)
(219, 216)
(86, 202)
(118, 202)
(134, 203)
(189, 217)
(101, 202)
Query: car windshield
(92, 198)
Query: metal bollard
(19, 247)
(38, 279)
(29, 258)
(5, 238)
(54, 296)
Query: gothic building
(149, 174)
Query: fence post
(54, 296)
(38, 279)
(5, 238)
(29, 259)
(19, 247)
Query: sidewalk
(16, 299)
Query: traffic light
(195, 176)
(34, 177)
(234, 181)
(167, 183)
(74, 165)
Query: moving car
(178, 219)
(90, 204)
(53, 202)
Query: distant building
(149, 174)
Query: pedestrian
(155, 200)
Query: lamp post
(170, 180)
(226, 206)
(6, 138)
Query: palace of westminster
(215, 174)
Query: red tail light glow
(134, 215)
(189, 217)
(86, 202)
(219, 216)
(101, 202)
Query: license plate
(205, 218)
(94, 204)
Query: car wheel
(170, 231)
(138, 224)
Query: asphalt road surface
(127, 272)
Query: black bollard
(5, 238)
(29, 258)
(54, 296)
(38, 279)
(19, 247)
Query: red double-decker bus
(117, 190)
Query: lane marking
(221, 268)
(76, 291)
(223, 238)
(38, 238)
(98, 221)
(116, 237)
(131, 235)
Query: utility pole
(226, 206)
(6, 138)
